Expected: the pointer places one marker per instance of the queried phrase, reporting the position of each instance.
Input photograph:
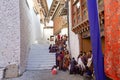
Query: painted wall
(73, 38)
(9, 32)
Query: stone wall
(9, 32)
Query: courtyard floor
(46, 75)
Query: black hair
(90, 51)
(73, 58)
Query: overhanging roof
(44, 5)
(48, 27)
(53, 7)
(64, 9)
(58, 6)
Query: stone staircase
(40, 58)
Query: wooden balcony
(85, 14)
(82, 26)
(75, 1)
(63, 10)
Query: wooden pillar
(80, 42)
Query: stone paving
(46, 75)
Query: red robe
(112, 39)
(58, 36)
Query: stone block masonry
(9, 32)
(11, 71)
(15, 35)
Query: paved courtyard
(46, 75)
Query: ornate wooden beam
(53, 7)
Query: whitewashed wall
(19, 28)
(74, 41)
(47, 33)
(36, 26)
(64, 31)
(26, 32)
(9, 32)
(31, 31)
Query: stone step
(44, 60)
(41, 63)
(40, 67)
(42, 55)
(40, 58)
(34, 53)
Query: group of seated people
(83, 64)
(63, 59)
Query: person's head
(84, 53)
(81, 52)
(90, 52)
(80, 55)
(57, 50)
(55, 66)
(61, 52)
(67, 52)
(73, 58)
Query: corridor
(59, 39)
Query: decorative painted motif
(112, 39)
